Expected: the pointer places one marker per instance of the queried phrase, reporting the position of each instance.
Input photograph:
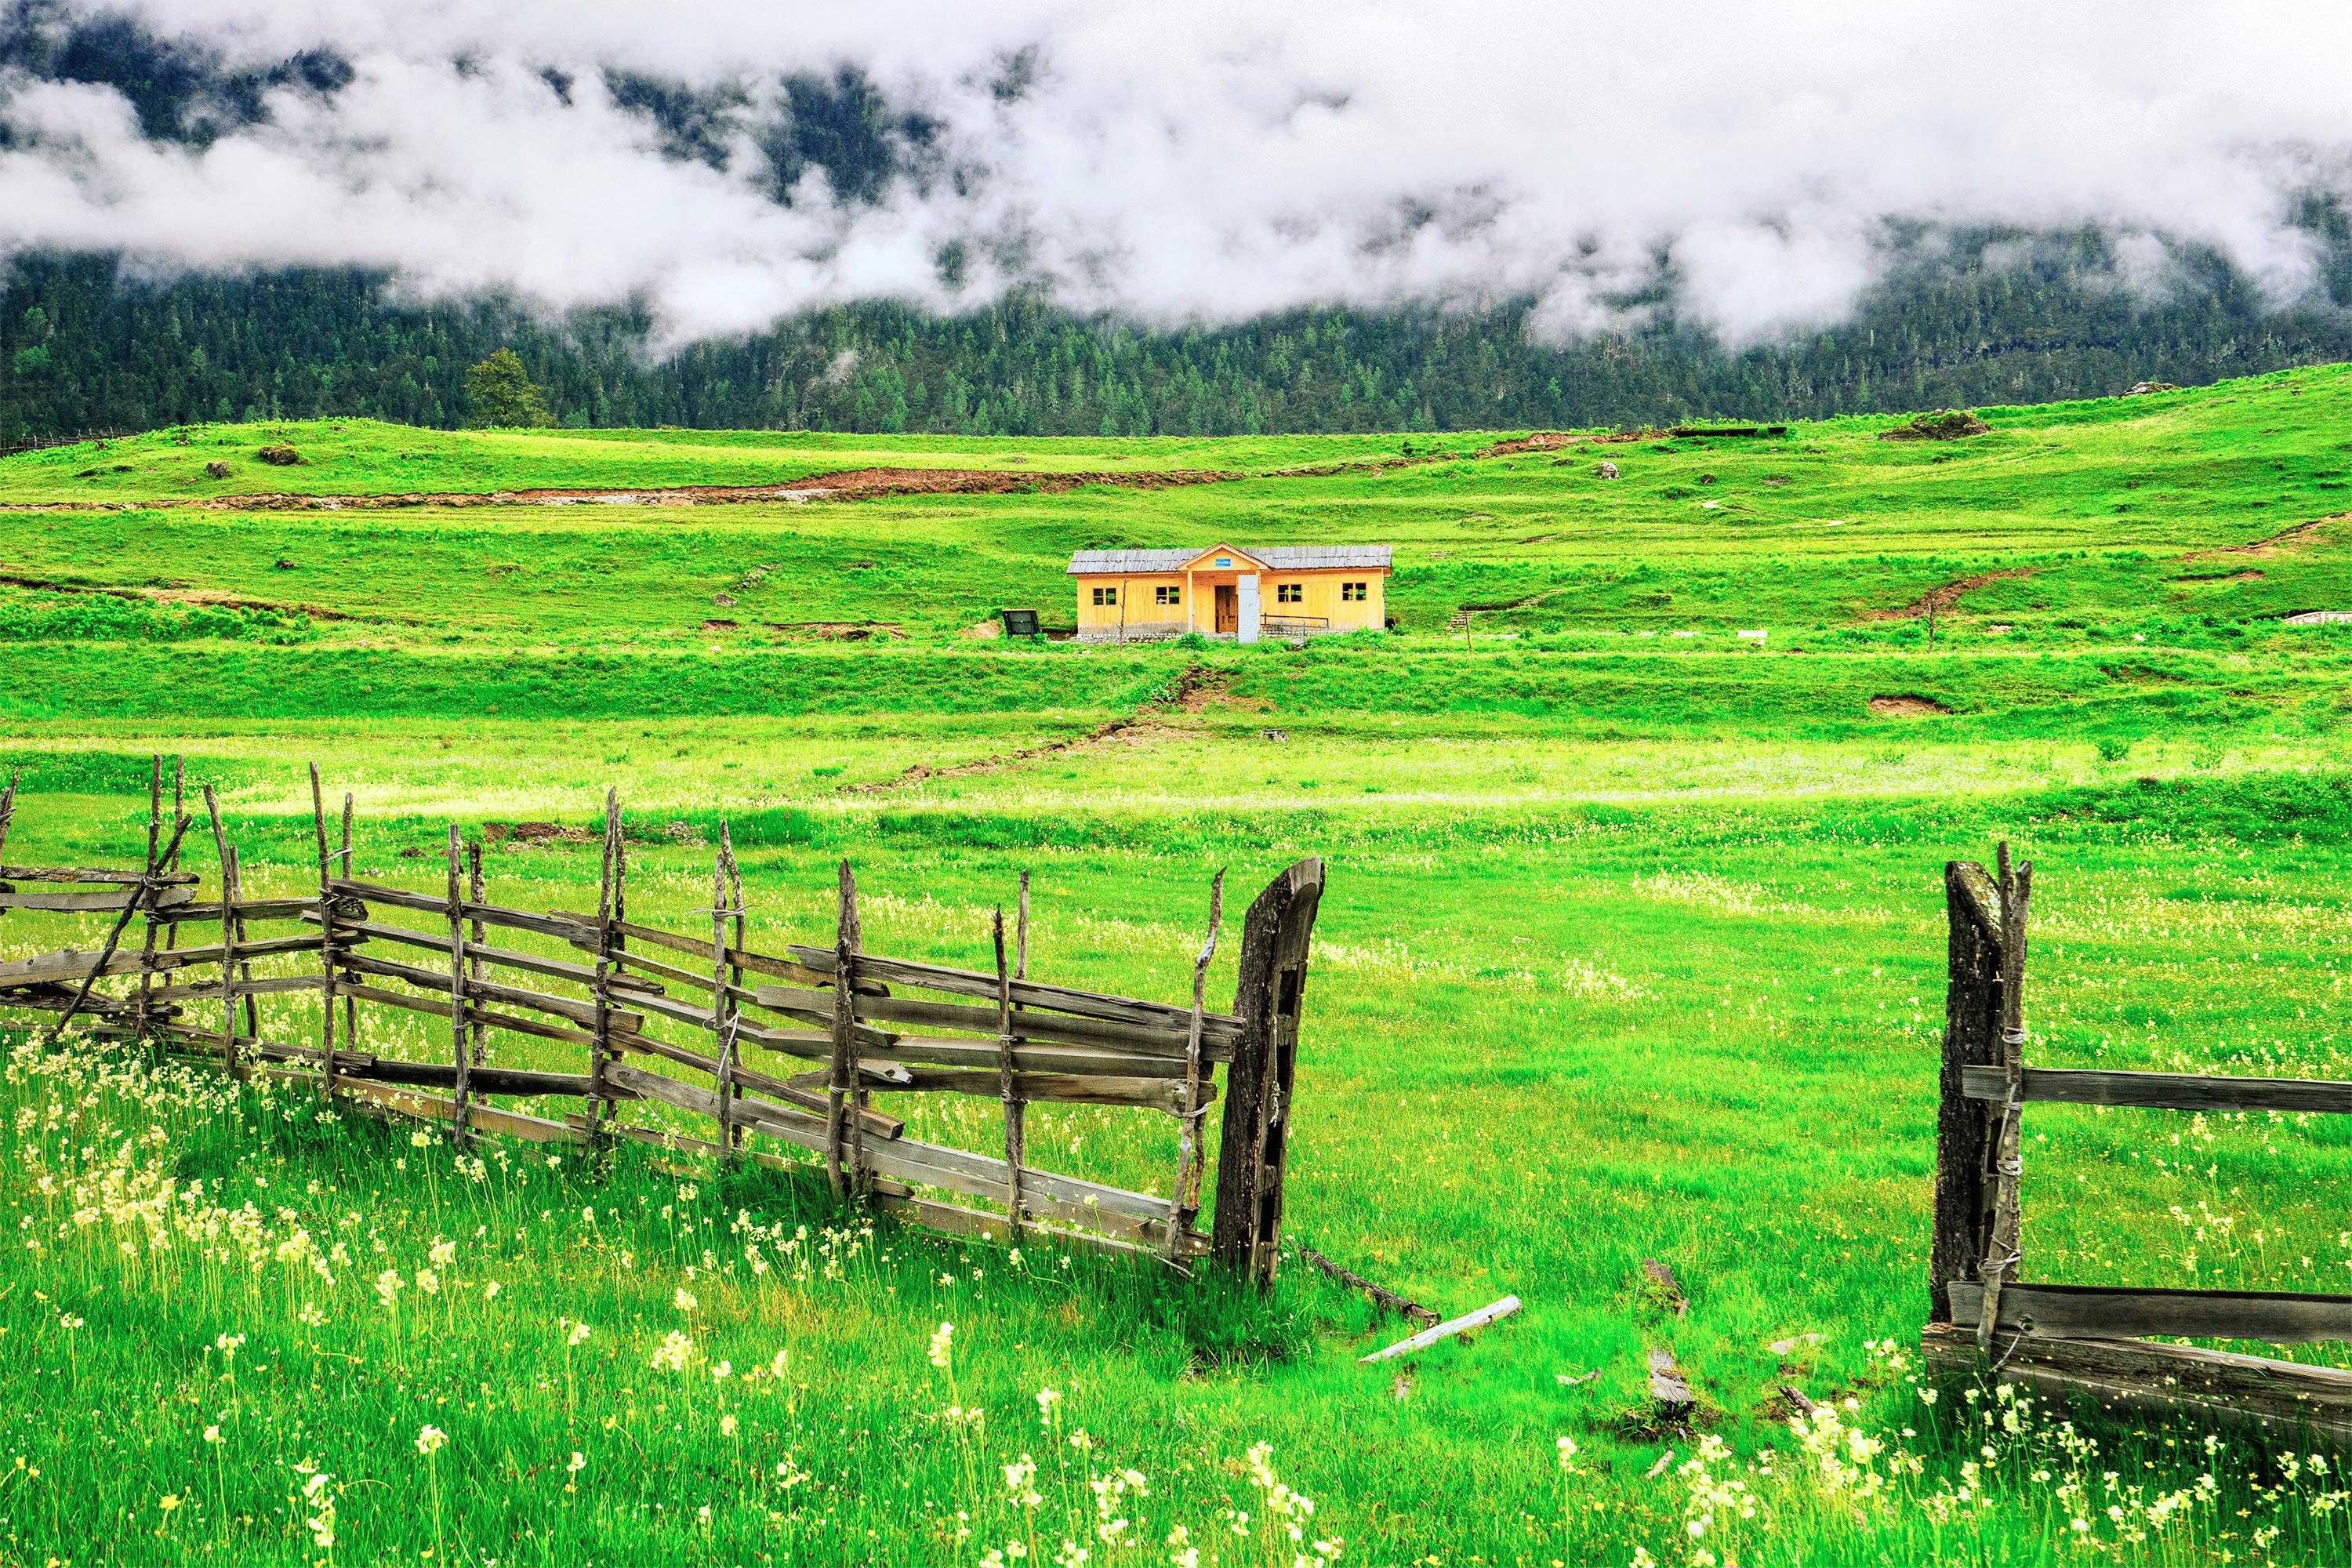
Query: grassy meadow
(1631, 949)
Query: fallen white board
(1479, 1319)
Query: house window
(1225, 560)
(1106, 595)
(1353, 591)
(1289, 593)
(1167, 596)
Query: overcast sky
(1214, 159)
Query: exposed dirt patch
(1956, 426)
(2249, 574)
(1943, 598)
(2300, 537)
(211, 597)
(534, 833)
(838, 631)
(2140, 675)
(1906, 705)
(850, 484)
(1195, 690)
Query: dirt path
(211, 598)
(1194, 691)
(849, 484)
(1943, 597)
(2296, 538)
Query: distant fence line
(841, 1008)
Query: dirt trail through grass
(1943, 597)
(1194, 692)
(2296, 538)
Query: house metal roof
(1277, 558)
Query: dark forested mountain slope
(86, 344)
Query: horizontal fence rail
(789, 1049)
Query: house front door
(1229, 610)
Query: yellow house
(1277, 590)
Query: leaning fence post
(1973, 1012)
(839, 1125)
(1275, 937)
(458, 998)
(1186, 1194)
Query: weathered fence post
(351, 1003)
(229, 935)
(1276, 936)
(1185, 1195)
(608, 915)
(458, 993)
(141, 1016)
(478, 892)
(1015, 1123)
(326, 938)
(1972, 1014)
(2004, 1226)
(725, 1012)
(1978, 1167)
(840, 1123)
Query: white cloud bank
(1211, 160)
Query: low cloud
(726, 164)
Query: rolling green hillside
(1633, 949)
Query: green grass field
(1633, 948)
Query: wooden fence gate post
(1973, 1013)
(1276, 936)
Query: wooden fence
(801, 1048)
(2086, 1339)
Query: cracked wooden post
(141, 1016)
(608, 914)
(839, 1127)
(477, 891)
(459, 995)
(229, 935)
(1276, 934)
(1016, 1129)
(1963, 1127)
(244, 966)
(724, 1011)
(2004, 1229)
(1186, 1193)
(326, 937)
(351, 1004)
